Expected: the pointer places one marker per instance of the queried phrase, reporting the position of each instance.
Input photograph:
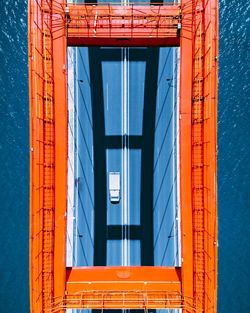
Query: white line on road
(125, 164)
(107, 96)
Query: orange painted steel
(121, 300)
(122, 288)
(145, 278)
(193, 287)
(122, 26)
(61, 153)
(204, 152)
(42, 159)
(185, 151)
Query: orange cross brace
(115, 25)
(121, 279)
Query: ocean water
(233, 158)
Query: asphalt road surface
(123, 117)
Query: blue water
(233, 159)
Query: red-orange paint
(193, 287)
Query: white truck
(114, 187)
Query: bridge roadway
(124, 111)
(123, 117)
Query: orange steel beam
(146, 278)
(185, 150)
(204, 131)
(123, 287)
(61, 152)
(134, 300)
(48, 156)
(42, 163)
(115, 25)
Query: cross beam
(115, 25)
(128, 278)
(122, 288)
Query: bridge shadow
(145, 142)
